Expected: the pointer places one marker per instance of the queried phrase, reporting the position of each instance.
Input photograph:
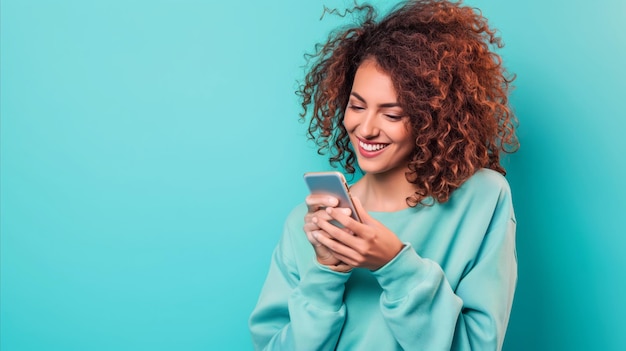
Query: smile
(372, 147)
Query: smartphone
(331, 183)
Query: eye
(355, 107)
(394, 117)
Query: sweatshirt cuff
(323, 287)
(400, 275)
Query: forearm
(421, 308)
(308, 316)
(417, 302)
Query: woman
(420, 102)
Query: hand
(316, 205)
(368, 245)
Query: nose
(368, 126)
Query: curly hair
(450, 83)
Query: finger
(345, 259)
(319, 215)
(342, 236)
(323, 254)
(316, 202)
(327, 241)
(309, 227)
(351, 255)
(311, 237)
(345, 220)
(340, 252)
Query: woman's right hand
(316, 205)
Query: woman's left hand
(368, 244)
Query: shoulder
(294, 223)
(488, 177)
(486, 183)
(296, 215)
(486, 190)
(293, 247)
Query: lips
(368, 149)
(371, 147)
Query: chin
(371, 169)
(381, 168)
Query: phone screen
(331, 183)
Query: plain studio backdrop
(151, 150)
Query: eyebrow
(386, 105)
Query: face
(377, 125)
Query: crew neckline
(404, 211)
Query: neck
(385, 192)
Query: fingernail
(332, 201)
(314, 219)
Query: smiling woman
(378, 127)
(420, 101)
(144, 183)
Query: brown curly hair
(451, 85)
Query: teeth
(372, 147)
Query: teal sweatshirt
(450, 288)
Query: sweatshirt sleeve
(298, 310)
(424, 312)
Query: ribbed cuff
(402, 273)
(324, 287)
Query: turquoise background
(150, 151)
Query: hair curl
(451, 85)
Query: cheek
(401, 134)
(408, 135)
(349, 121)
(407, 142)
